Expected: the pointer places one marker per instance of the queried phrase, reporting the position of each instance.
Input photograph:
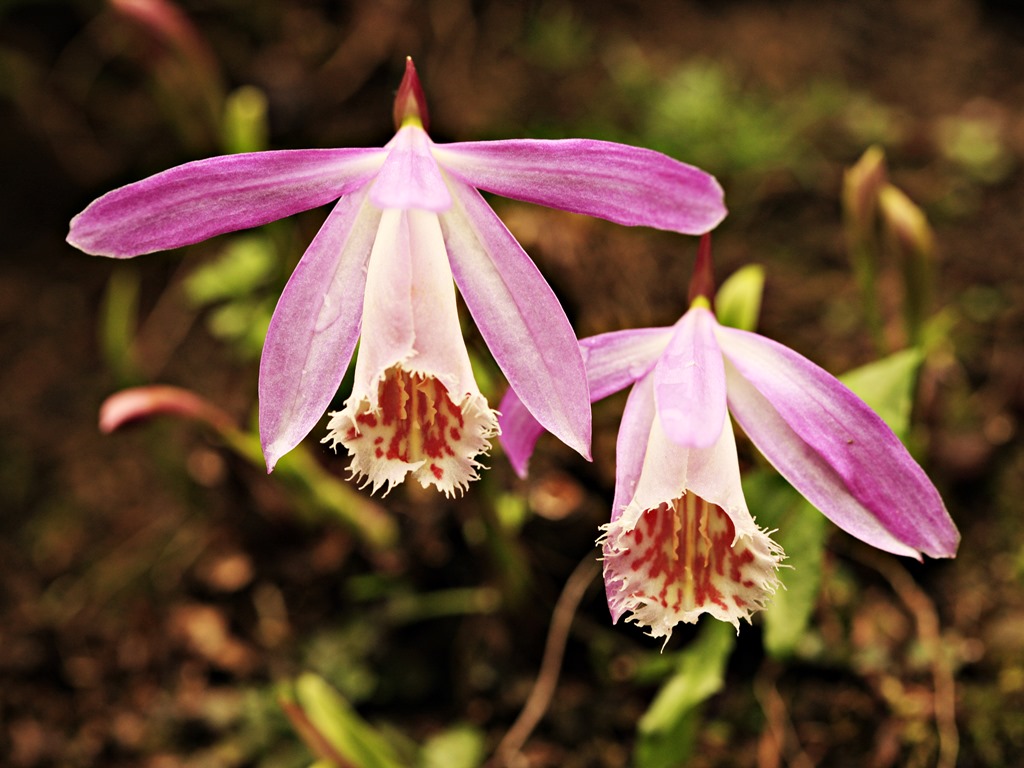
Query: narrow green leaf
(335, 720)
(666, 732)
(247, 262)
(119, 322)
(245, 120)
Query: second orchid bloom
(681, 540)
(408, 219)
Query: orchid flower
(408, 219)
(681, 541)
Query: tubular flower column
(408, 219)
(681, 541)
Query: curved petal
(519, 317)
(615, 360)
(409, 177)
(631, 443)
(689, 383)
(833, 448)
(197, 200)
(315, 327)
(627, 185)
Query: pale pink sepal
(198, 200)
(315, 328)
(519, 317)
(833, 448)
(627, 185)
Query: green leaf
(339, 724)
(458, 747)
(738, 300)
(119, 320)
(666, 733)
(800, 530)
(887, 385)
(245, 120)
(247, 263)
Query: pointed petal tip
(273, 450)
(410, 103)
(947, 549)
(580, 442)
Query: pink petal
(315, 327)
(833, 448)
(519, 317)
(689, 382)
(192, 202)
(410, 177)
(624, 184)
(631, 444)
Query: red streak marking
(438, 472)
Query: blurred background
(158, 591)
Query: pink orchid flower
(408, 219)
(681, 541)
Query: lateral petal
(627, 185)
(519, 317)
(315, 327)
(197, 200)
(689, 382)
(833, 448)
(631, 444)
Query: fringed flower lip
(681, 540)
(410, 203)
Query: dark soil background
(154, 586)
